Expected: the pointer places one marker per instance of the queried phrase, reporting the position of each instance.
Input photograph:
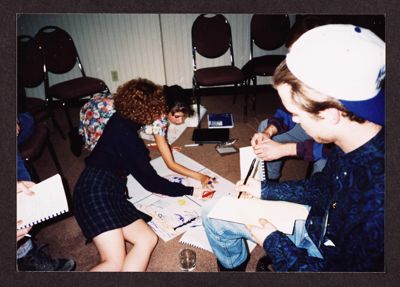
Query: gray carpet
(64, 236)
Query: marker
(208, 193)
(212, 180)
(190, 145)
(185, 223)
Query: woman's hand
(251, 189)
(206, 181)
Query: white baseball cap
(345, 62)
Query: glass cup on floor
(187, 259)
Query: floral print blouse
(95, 114)
(158, 127)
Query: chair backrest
(211, 36)
(59, 49)
(268, 32)
(30, 62)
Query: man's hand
(251, 189)
(258, 138)
(23, 187)
(269, 150)
(22, 232)
(260, 233)
(22, 190)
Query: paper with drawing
(167, 211)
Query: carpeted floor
(64, 236)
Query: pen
(185, 223)
(190, 145)
(248, 174)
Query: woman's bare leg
(111, 246)
(144, 241)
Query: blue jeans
(228, 239)
(296, 134)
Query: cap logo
(380, 77)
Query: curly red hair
(140, 100)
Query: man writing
(331, 84)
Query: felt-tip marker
(190, 145)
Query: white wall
(153, 46)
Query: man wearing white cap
(331, 82)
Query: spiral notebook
(48, 201)
(246, 156)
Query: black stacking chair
(32, 149)
(212, 38)
(61, 56)
(30, 74)
(267, 32)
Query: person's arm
(365, 241)
(269, 150)
(169, 160)
(281, 120)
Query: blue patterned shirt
(350, 190)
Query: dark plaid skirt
(100, 203)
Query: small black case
(203, 136)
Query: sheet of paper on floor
(144, 200)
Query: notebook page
(48, 201)
(281, 214)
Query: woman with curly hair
(100, 197)
(169, 103)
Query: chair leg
(56, 124)
(50, 112)
(197, 96)
(255, 92)
(54, 157)
(66, 109)
(246, 99)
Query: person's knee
(113, 264)
(262, 126)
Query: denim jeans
(24, 249)
(296, 134)
(228, 239)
